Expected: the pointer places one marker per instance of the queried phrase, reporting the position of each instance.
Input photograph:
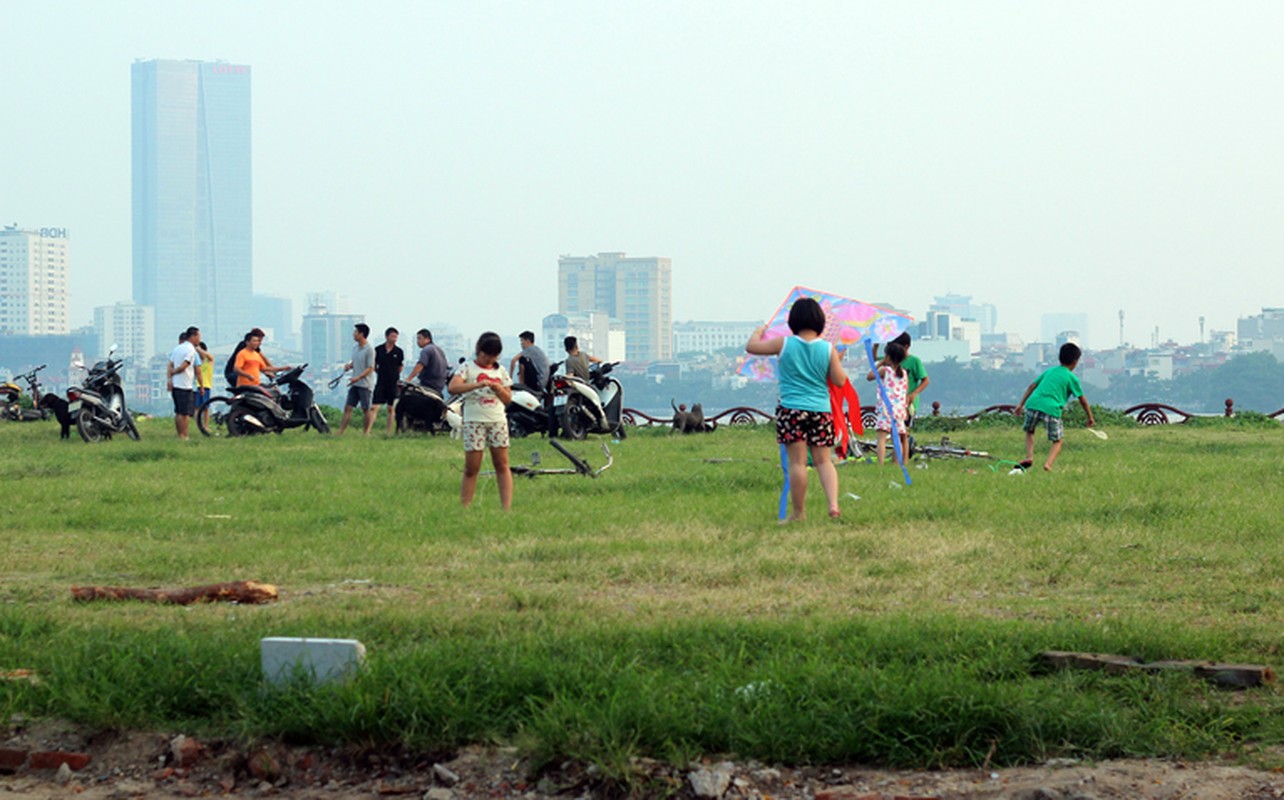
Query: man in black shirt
(389, 359)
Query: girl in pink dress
(896, 382)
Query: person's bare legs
(1029, 447)
(1052, 455)
(472, 468)
(392, 419)
(503, 476)
(904, 446)
(882, 446)
(369, 420)
(347, 417)
(797, 453)
(828, 476)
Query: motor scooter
(532, 410)
(102, 402)
(420, 408)
(592, 406)
(264, 409)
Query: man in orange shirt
(250, 362)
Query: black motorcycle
(263, 409)
(10, 393)
(102, 403)
(425, 410)
(420, 409)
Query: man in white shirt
(181, 382)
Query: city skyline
(909, 152)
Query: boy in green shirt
(918, 380)
(1044, 401)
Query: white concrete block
(324, 659)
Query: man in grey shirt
(431, 367)
(361, 387)
(532, 362)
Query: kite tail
(784, 490)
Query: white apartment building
(699, 336)
(129, 326)
(636, 291)
(33, 281)
(598, 335)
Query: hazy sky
(432, 159)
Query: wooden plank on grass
(251, 592)
(1235, 675)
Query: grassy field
(658, 610)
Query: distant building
(327, 338)
(962, 307)
(1068, 337)
(1002, 341)
(636, 291)
(708, 337)
(132, 328)
(1052, 325)
(33, 281)
(1260, 330)
(275, 315)
(192, 227)
(945, 326)
(932, 351)
(453, 342)
(1222, 341)
(597, 334)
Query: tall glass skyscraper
(193, 234)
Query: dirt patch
(123, 766)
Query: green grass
(658, 610)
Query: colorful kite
(847, 321)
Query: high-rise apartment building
(327, 337)
(192, 229)
(132, 329)
(33, 281)
(636, 291)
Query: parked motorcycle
(426, 410)
(102, 402)
(263, 409)
(532, 410)
(592, 406)
(11, 392)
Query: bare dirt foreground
(121, 766)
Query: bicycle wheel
(213, 415)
